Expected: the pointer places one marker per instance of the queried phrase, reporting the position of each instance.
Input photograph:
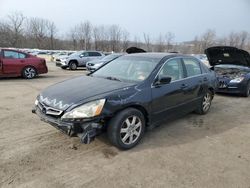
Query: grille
(58, 60)
(222, 84)
(49, 110)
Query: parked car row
(78, 59)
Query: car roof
(157, 55)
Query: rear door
(13, 62)
(195, 79)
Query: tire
(247, 91)
(29, 72)
(73, 65)
(126, 129)
(205, 103)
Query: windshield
(128, 68)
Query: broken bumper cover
(86, 131)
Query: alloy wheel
(131, 130)
(29, 72)
(206, 102)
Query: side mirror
(162, 80)
(81, 55)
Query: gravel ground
(194, 151)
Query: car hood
(227, 55)
(62, 56)
(79, 90)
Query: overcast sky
(185, 18)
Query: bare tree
(15, 22)
(52, 32)
(208, 39)
(169, 39)
(73, 37)
(38, 30)
(84, 31)
(5, 35)
(115, 37)
(160, 44)
(125, 39)
(243, 36)
(147, 41)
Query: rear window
(94, 54)
(192, 66)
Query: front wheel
(205, 103)
(29, 72)
(73, 65)
(126, 129)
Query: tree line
(18, 31)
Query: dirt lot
(194, 151)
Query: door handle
(183, 86)
(205, 79)
(22, 61)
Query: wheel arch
(74, 60)
(141, 109)
(26, 66)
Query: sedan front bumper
(224, 86)
(85, 130)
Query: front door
(166, 98)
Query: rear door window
(94, 54)
(192, 67)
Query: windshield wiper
(113, 78)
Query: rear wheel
(126, 129)
(247, 91)
(73, 65)
(29, 72)
(205, 103)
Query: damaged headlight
(237, 80)
(87, 110)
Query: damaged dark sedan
(128, 95)
(232, 66)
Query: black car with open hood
(128, 95)
(232, 66)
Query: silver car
(79, 59)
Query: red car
(15, 63)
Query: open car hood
(227, 55)
(133, 50)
